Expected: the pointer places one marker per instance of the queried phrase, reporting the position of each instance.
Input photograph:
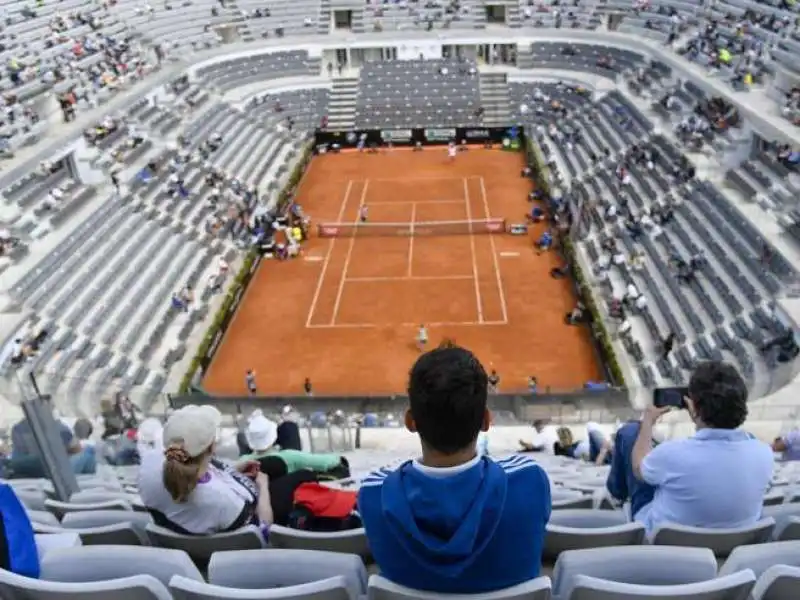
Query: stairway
(494, 99)
(513, 16)
(325, 16)
(525, 57)
(234, 14)
(342, 104)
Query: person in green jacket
(261, 435)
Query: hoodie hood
(444, 518)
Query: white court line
(348, 256)
(411, 240)
(413, 179)
(498, 276)
(387, 202)
(412, 278)
(472, 252)
(327, 258)
(409, 324)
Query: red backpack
(321, 508)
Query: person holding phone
(715, 479)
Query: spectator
(452, 521)
(267, 439)
(25, 461)
(788, 445)
(600, 446)
(189, 492)
(545, 439)
(621, 482)
(718, 477)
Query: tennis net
(370, 229)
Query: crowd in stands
(456, 519)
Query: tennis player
(250, 381)
(451, 150)
(422, 338)
(363, 213)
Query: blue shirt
(622, 484)
(792, 442)
(24, 444)
(474, 528)
(716, 479)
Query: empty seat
(381, 588)
(353, 541)
(201, 547)
(760, 557)
(270, 568)
(138, 587)
(730, 587)
(780, 582)
(577, 529)
(720, 541)
(334, 588)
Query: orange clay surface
(346, 313)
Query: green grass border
(242, 279)
(541, 175)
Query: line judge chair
(381, 588)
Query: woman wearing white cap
(261, 434)
(187, 491)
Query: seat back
(201, 547)
(327, 589)
(59, 508)
(731, 587)
(721, 541)
(779, 582)
(381, 588)
(270, 568)
(138, 587)
(352, 541)
(760, 557)
(641, 565)
(98, 563)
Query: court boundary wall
(603, 405)
(509, 137)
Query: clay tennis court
(346, 313)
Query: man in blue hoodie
(452, 521)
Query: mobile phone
(670, 396)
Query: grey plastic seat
(32, 499)
(574, 502)
(138, 587)
(760, 557)
(201, 547)
(271, 568)
(780, 582)
(381, 588)
(115, 527)
(787, 520)
(100, 563)
(721, 541)
(100, 495)
(334, 588)
(59, 509)
(353, 541)
(43, 517)
(586, 528)
(730, 587)
(637, 565)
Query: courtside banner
(326, 141)
(441, 135)
(398, 136)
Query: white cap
(261, 433)
(150, 431)
(193, 427)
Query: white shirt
(632, 292)
(640, 302)
(624, 327)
